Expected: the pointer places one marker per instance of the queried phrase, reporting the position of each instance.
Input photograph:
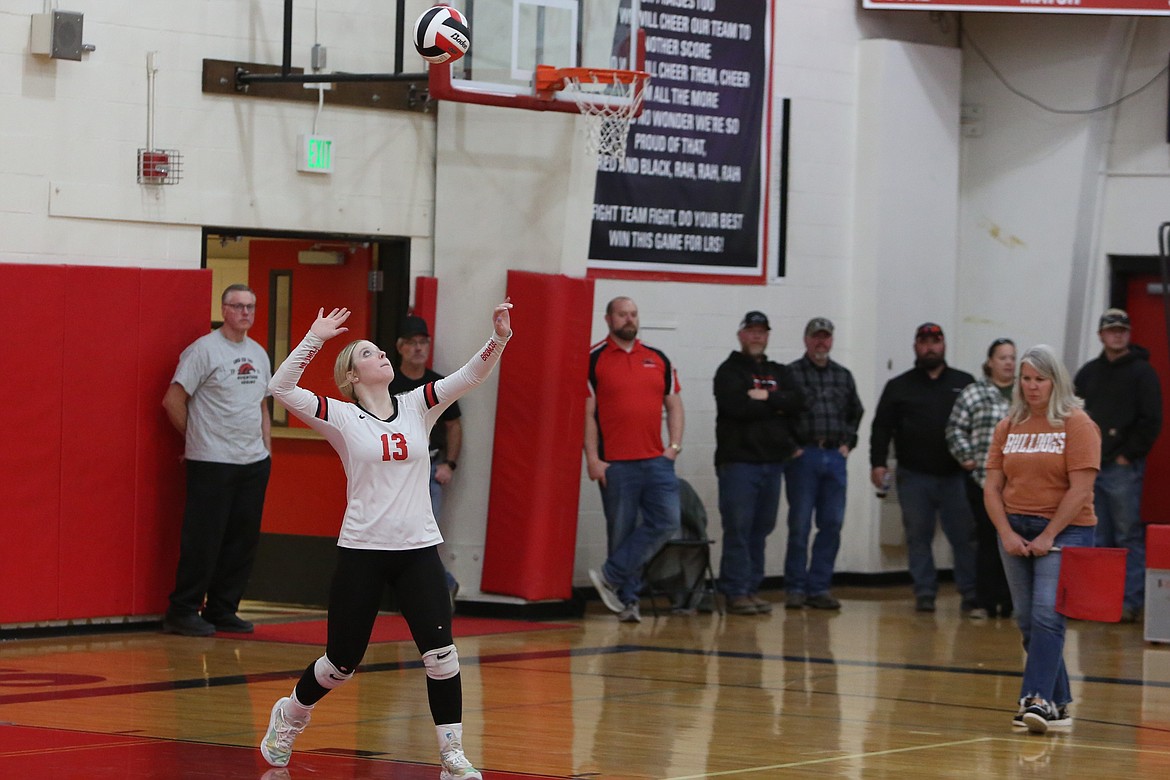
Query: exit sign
(315, 154)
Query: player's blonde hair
(343, 369)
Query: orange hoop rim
(548, 79)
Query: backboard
(509, 38)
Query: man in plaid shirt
(827, 431)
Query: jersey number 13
(399, 446)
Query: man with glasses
(414, 349)
(218, 401)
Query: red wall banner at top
(1116, 7)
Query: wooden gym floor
(874, 691)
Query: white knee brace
(443, 663)
(328, 675)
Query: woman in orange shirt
(1041, 466)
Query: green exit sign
(315, 154)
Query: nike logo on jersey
(441, 656)
(333, 676)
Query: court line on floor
(893, 751)
(500, 658)
(832, 759)
(912, 667)
(261, 677)
(57, 749)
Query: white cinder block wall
(1041, 198)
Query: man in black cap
(913, 412)
(757, 403)
(1123, 396)
(817, 478)
(414, 350)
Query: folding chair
(681, 570)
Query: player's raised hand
(502, 318)
(329, 325)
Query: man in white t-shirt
(217, 400)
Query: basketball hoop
(608, 99)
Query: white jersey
(387, 462)
(227, 382)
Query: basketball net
(607, 121)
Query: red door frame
(1129, 284)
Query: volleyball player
(389, 536)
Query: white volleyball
(441, 34)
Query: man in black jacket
(757, 403)
(1124, 398)
(913, 412)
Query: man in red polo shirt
(629, 384)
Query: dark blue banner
(688, 196)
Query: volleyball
(441, 34)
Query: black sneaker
(187, 625)
(230, 624)
(823, 601)
(1063, 718)
(1039, 715)
(924, 604)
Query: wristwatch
(674, 445)
(451, 464)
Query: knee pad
(328, 675)
(441, 664)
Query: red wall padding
(98, 441)
(93, 484)
(173, 308)
(540, 419)
(32, 362)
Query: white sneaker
(608, 593)
(457, 767)
(282, 732)
(630, 614)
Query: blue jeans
(925, 499)
(1117, 500)
(816, 482)
(436, 507)
(749, 498)
(1033, 583)
(651, 487)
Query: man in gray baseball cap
(1123, 396)
(827, 433)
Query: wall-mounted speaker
(57, 34)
